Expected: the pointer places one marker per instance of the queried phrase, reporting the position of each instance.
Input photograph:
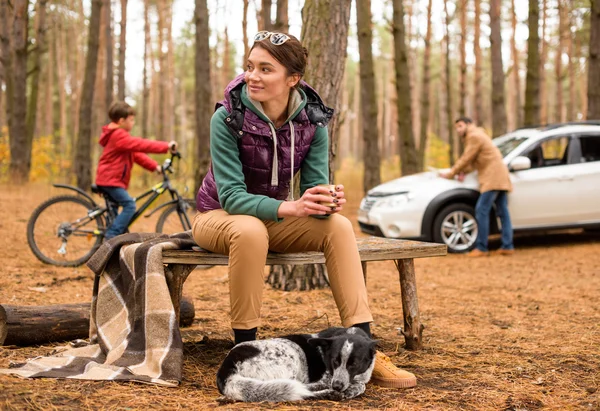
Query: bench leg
(413, 329)
(176, 274)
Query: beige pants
(247, 240)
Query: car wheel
(456, 227)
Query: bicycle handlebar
(168, 163)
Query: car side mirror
(520, 163)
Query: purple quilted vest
(256, 145)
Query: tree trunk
(462, 81)
(572, 107)
(282, 21)
(110, 64)
(162, 78)
(559, 112)
(543, 101)
(325, 25)
(498, 108)
(593, 111)
(170, 83)
(371, 177)
(425, 91)
(408, 153)
(83, 157)
(478, 112)
(203, 93)
(532, 86)
(61, 70)
(122, 48)
(36, 325)
(449, 111)
(515, 81)
(15, 55)
(245, 35)
(147, 59)
(265, 10)
(40, 41)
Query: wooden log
(34, 325)
(413, 329)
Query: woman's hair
(291, 54)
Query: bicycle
(56, 236)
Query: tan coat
(482, 155)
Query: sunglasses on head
(276, 38)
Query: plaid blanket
(134, 335)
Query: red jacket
(121, 150)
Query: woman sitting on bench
(270, 126)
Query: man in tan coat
(494, 184)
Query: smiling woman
(270, 126)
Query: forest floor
(502, 333)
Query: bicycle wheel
(171, 222)
(60, 231)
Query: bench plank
(370, 249)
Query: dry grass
(518, 333)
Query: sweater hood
(107, 132)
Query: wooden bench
(179, 264)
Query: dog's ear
(320, 342)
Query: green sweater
(227, 167)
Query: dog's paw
(354, 391)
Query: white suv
(556, 179)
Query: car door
(545, 194)
(586, 178)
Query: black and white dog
(334, 364)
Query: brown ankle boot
(386, 374)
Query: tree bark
(515, 81)
(449, 111)
(15, 55)
(110, 64)
(478, 116)
(532, 86)
(593, 111)
(161, 101)
(325, 25)
(245, 35)
(462, 81)
(572, 107)
(82, 164)
(282, 21)
(36, 325)
(559, 112)
(61, 68)
(543, 102)
(265, 10)
(498, 107)
(425, 91)
(408, 153)
(371, 159)
(203, 93)
(147, 59)
(122, 49)
(40, 41)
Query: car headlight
(393, 201)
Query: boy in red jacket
(121, 150)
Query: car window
(590, 148)
(509, 145)
(549, 153)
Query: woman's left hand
(340, 196)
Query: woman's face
(266, 78)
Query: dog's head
(349, 357)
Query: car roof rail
(553, 126)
